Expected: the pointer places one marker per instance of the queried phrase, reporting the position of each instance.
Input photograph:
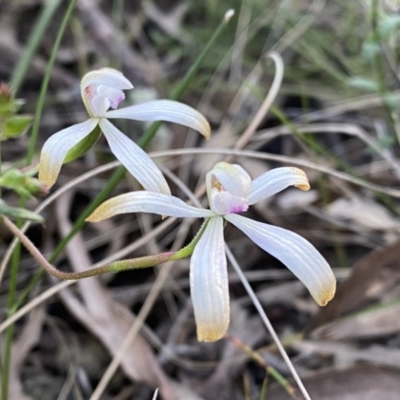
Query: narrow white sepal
(57, 146)
(209, 283)
(148, 202)
(274, 181)
(134, 159)
(299, 255)
(164, 110)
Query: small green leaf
(388, 25)
(83, 146)
(16, 212)
(392, 100)
(24, 183)
(8, 104)
(369, 50)
(16, 126)
(363, 83)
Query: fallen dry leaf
(28, 339)
(368, 214)
(295, 198)
(358, 383)
(372, 278)
(347, 355)
(370, 323)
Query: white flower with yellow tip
(231, 191)
(101, 90)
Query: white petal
(134, 159)
(107, 77)
(299, 255)
(57, 146)
(272, 182)
(209, 283)
(149, 202)
(228, 188)
(165, 110)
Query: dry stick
(266, 321)
(263, 110)
(155, 394)
(356, 104)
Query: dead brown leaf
(373, 277)
(358, 383)
(366, 213)
(28, 338)
(370, 323)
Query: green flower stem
(140, 262)
(188, 250)
(118, 266)
(124, 265)
(29, 157)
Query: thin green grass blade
(35, 38)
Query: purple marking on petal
(100, 98)
(116, 98)
(238, 209)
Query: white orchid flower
(231, 191)
(101, 90)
